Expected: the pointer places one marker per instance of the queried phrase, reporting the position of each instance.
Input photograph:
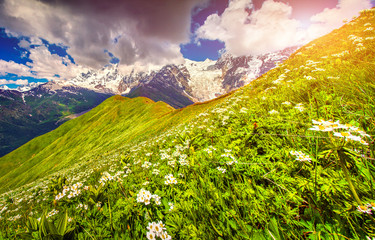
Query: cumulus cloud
(332, 18)
(141, 31)
(47, 65)
(265, 30)
(14, 68)
(24, 44)
(245, 30)
(17, 82)
(43, 65)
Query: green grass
(234, 158)
(115, 122)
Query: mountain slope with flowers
(288, 156)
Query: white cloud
(27, 43)
(17, 82)
(24, 44)
(265, 30)
(329, 19)
(149, 33)
(43, 65)
(47, 65)
(271, 28)
(14, 68)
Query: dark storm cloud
(146, 30)
(162, 18)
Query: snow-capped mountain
(183, 84)
(239, 71)
(179, 85)
(170, 84)
(204, 79)
(105, 80)
(23, 88)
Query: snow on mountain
(4, 87)
(22, 88)
(200, 81)
(205, 80)
(239, 71)
(105, 80)
(28, 87)
(187, 83)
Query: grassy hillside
(116, 121)
(289, 156)
(25, 116)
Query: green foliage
(44, 229)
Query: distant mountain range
(25, 115)
(34, 109)
(182, 85)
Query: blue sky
(38, 46)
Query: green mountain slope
(289, 156)
(116, 121)
(26, 115)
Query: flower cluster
(300, 107)
(171, 206)
(281, 78)
(273, 111)
(51, 213)
(14, 218)
(301, 156)
(164, 155)
(83, 206)
(367, 208)
(222, 170)
(183, 160)
(74, 191)
(145, 197)
(105, 177)
(170, 179)
(340, 130)
(157, 230)
(209, 149)
(155, 171)
(286, 103)
(146, 164)
(342, 54)
(228, 155)
(309, 77)
(358, 41)
(172, 163)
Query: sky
(44, 40)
